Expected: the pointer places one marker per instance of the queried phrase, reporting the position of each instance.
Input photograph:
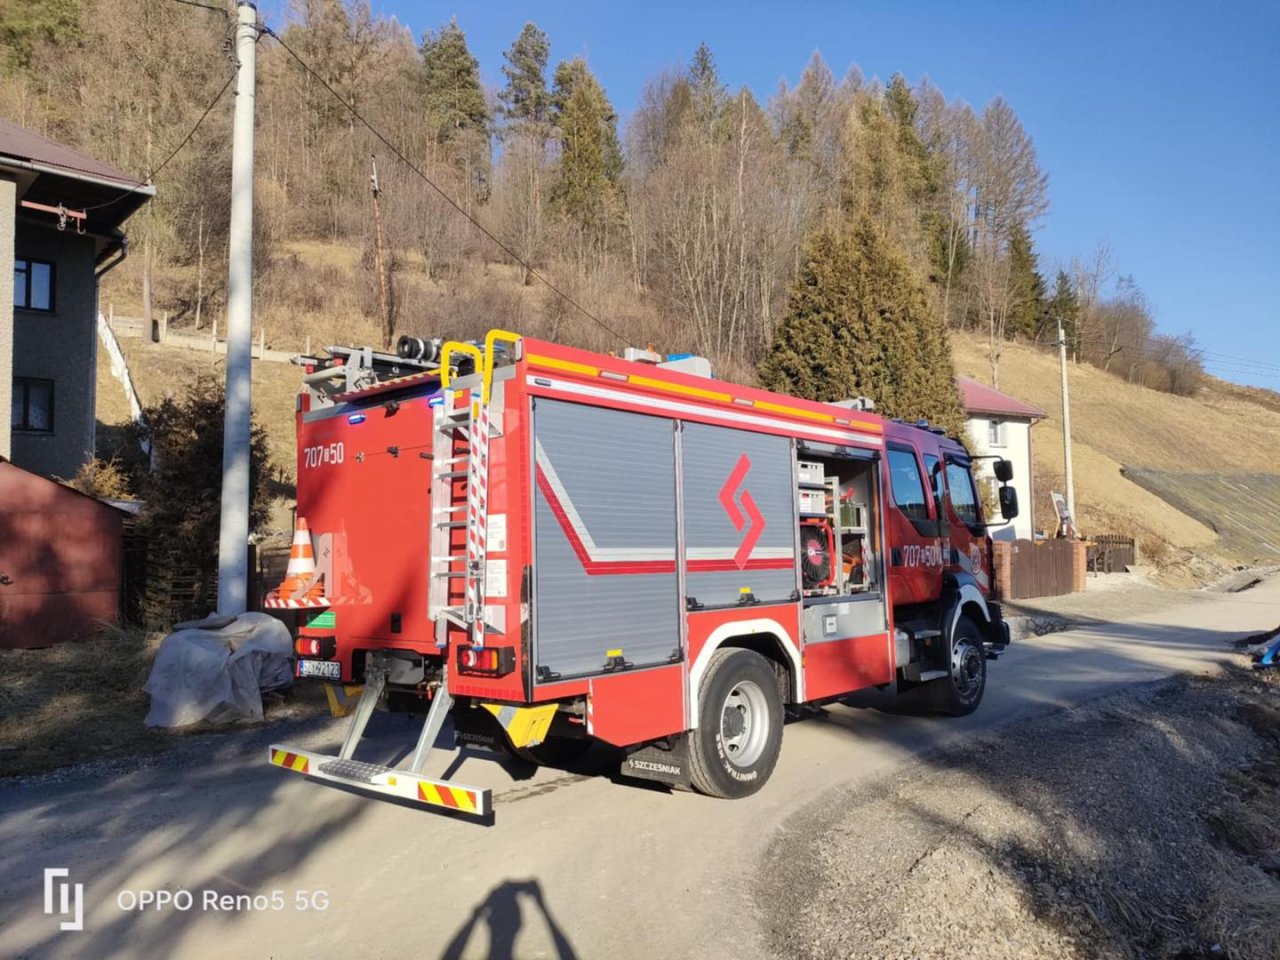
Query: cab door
(967, 553)
(915, 551)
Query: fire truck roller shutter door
(739, 516)
(605, 588)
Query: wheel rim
(744, 724)
(966, 668)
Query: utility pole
(233, 541)
(1066, 426)
(384, 314)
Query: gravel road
(1125, 829)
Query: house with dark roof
(61, 213)
(1000, 425)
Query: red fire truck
(555, 547)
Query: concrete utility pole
(233, 542)
(383, 314)
(1066, 426)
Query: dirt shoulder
(84, 701)
(1140, 825)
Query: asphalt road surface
(575, 864)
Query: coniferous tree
(590, 156)
(706, 91)
(1064, 305)
(859, 324)
(455, 106)
(525, 99)
(1026, 286)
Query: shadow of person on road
(500, 911)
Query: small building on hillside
(60, 217)
(1000, 425)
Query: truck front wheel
(960, 691)
(735, 747)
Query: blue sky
(1158, 122)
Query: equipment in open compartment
(817, 554)
(810, 472)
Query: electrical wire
(150, 178)
(443, 195)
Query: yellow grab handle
(492, 337)
(447, 351)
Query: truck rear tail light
(325, 647)
(486, 661)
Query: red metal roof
(21, 144)
(979, 398)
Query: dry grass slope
(1224, 429)
(328, 294)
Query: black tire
(960, 691)
(553, 751)
(734, 749)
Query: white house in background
(1000, 425)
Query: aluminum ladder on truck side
(463, 426)
(460, 451)
(461, 433)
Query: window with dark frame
(907, 486)
(33, 285)
(964, 496)
(996, 431)
(32, 409)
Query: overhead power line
(150, 178)
(439, 191)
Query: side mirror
(1004, 470)
(1008, 501)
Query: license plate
(328, 669)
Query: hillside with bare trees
(533, 206)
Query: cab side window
(933, 467)
(964, 498)
(908, 486)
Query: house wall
(1017, 450)
(8, 212)
(59, 346)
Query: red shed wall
(64, 553)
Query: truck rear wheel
(961, 690)
(734, 749)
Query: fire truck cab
(556, 548)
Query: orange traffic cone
(302, 585)
(302, 558)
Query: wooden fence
(136, 328)
(1111, 553)
(156, 593)
(1043, 568)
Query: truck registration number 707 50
(323, 455)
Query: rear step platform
(376, 778)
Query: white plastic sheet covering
(218, 669)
